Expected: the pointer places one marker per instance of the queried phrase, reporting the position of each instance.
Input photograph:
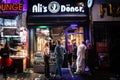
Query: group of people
(59, 51)
(83, 55)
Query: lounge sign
(54, 7)
(11, 7)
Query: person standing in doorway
(53, 46)
(90, 57)
(46, 60)
(70, 54)
(80, 62)
(74, 51)
(59, 52)
(74, 48)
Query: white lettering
(68, 9)
(82, 9)
(39, 7)
(62, 8)
(45, 9)
(72, 9)
(77, 9)
(34, 8)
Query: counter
(17, 57)
(18, 64)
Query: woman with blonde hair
(46, 59)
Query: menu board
(10, 32)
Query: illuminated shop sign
(11, 7)
(114, 9)
(55, 7)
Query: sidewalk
(30, 75)
(67, 75)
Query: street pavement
(67, 73)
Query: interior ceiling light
(42, 26)
(73, 26)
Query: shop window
(7, 22)
(42, 38)
(77, 36)
(10, 32)
(1, 21)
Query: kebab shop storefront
(13, 30)
(60, 14)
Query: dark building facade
(106, 26)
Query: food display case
(19, 58)
(39, 62)
(18, 64)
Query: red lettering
(11, 7)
